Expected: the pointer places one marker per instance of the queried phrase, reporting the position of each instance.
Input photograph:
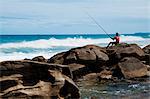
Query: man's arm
(113, 38)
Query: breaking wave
(52, 46)
(21, 55)
(72, 42)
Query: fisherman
(117, 40)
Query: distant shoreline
(72, 34)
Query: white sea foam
(54, 44)
(72, 42)
(21, 55)
(131, 38)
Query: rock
(36, 68)
(146, 49)
(78, 70)
(27, 59)
(31, 79)
(131, 67)
(69, 88)
(147, 59)
(91, 77)
(81, 55)
(82, 60)
(87, 55)
(116, 53)
(57, 59)
(39, 59)
(103, 75)
(5, 84)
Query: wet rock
(147, 59)
(87, 55)
(101, 76)
(148, 70)
(105, 74)
(27, 59)
(146, 49)
(39, 59)
(57, 59)
(5, 84)
(69, 89)
(91, 77)
(81, 55)
(31, 79)
(78, 70)
(131, 67)
(116, 53)
(82, 60)
(33, 68)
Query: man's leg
(113, 43)
(109, 44)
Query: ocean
(16, 47)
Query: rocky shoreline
(56, 77)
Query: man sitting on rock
(117, 40)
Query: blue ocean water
(14, 47)
(20, 38)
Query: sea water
(14, 47)
(118, 90)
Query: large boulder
(78, 70)
(69, 89)
(81, 55)
(33, 68)
(146, 49)
(104, 75)
(86, 55)
(130, 67)
(57, 59)
(30, 79)
(146, 59)
(116, 53)
(39, 59)
(82, 60)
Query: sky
(70, 17)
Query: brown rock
(132, 67)
(82, 60)
(36, 68)
(69, 88)
(31, 79)
(94, 77)
(57, 59)
(78, 70)
(103, 75)
(147, 59)
(116, 53)
(146, 49)
(88, 54)
(39, 59)
(81, 55)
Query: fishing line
(97, 24)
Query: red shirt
(117, 38)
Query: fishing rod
(98, 24)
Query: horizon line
(75, 34)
